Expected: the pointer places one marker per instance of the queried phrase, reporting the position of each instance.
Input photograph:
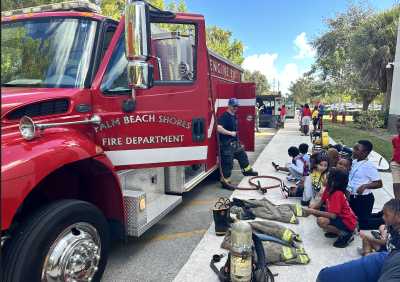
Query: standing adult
(257, 118)
(230, 147)
(395, 164)
(334, 111)
(363, 179)
(315, 117)
(300, 117)
(321, 112)
(282, 115)
(342, 112)
(305, 122)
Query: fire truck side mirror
(137, 30)
(140, 74)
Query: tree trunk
(366, 103)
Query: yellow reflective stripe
(287, 253)
(304, 259)
(287, 235)
(299, 210)
(293, 219)
(300, 250)
(247, 168)
(297, 237)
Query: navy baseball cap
(233, 102)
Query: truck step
(143, 210)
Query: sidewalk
(319, 248)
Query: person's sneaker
(330, 235)
(276, 166)
(344, 240)
(250, 172)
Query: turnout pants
(229, 152)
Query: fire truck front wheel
(67, 240)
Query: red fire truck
(105, 125)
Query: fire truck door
(246, 93)
(168, 123)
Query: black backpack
(260, 271)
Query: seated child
(371, 244)
(314, 183)
(297, 168)
(333, 155)
(338, 220)
(303, 149)
(379, 266)
(344, 164)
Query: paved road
(162, 251)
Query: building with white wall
(394, 110)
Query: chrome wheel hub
(74, 256)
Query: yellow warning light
(142, 204)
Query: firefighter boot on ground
(221, 220)
(248, 171)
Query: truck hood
(14, 97)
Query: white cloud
(265, 63)
(289, 74)
(303, 47)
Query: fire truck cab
(105, 125)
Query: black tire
(25, 253)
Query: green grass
(348, 135)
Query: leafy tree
(353, 53)
(220, 41)
(262, 85)
(373, 45)
(301, 90)
(7, 5)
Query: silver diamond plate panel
(135, 218)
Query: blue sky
(275, 33)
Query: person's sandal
(376, 234)
(276, 166)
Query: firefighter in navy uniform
(230, 147)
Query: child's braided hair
(394, 205)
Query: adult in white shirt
(363, 178)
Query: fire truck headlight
(27, 128)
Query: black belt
(356, 195)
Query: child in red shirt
(338, 220)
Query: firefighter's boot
(221, 220)
(226, 184)
(248, 171)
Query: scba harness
(260, 271)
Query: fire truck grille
(45, 108)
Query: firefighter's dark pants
(230, 151)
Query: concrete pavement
(319, 248)
(163, 250)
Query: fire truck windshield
(47, 52)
